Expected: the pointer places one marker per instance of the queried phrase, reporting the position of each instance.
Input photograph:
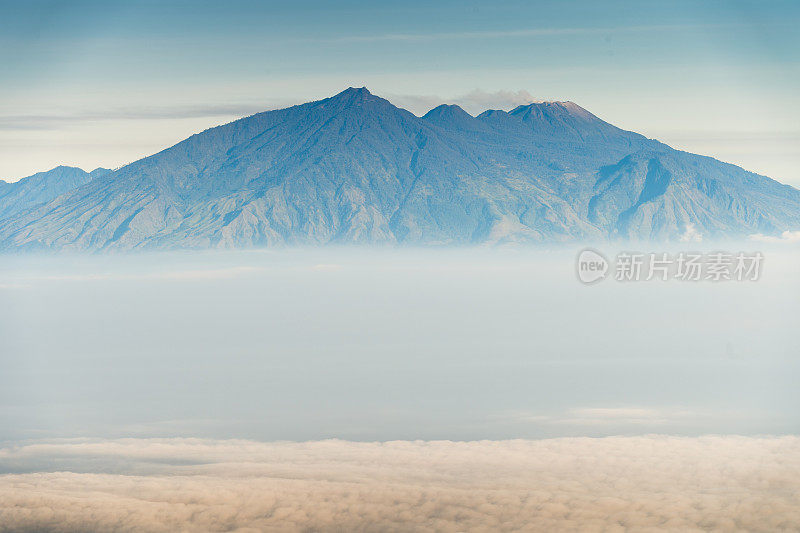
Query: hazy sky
(91, 83)
(383, 345)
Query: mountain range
(353, 168)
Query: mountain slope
(657, 194)
(353, 168)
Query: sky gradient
(90, 83)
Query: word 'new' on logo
(592, 266)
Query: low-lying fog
(380, 345)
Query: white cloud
(787, 237)
(691, 234)
(642, 483)
(68, 121)
(483, 100)
(474, 102)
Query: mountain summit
(353, 168)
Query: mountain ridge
(353, 168)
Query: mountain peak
(447, 110)
(354, 94)
(552, 108)
(451, 116)
(100, 171)
(62, 168)
(567, 119)
(39, 188)
(356, 98)
(490, 113)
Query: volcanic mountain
(354, 168)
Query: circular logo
(592, 266)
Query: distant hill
(41, 188)
(353, 168)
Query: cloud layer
(611, 484)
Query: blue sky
(93, 83)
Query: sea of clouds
(282, 350)
(644, 483)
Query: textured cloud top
(614, 484)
